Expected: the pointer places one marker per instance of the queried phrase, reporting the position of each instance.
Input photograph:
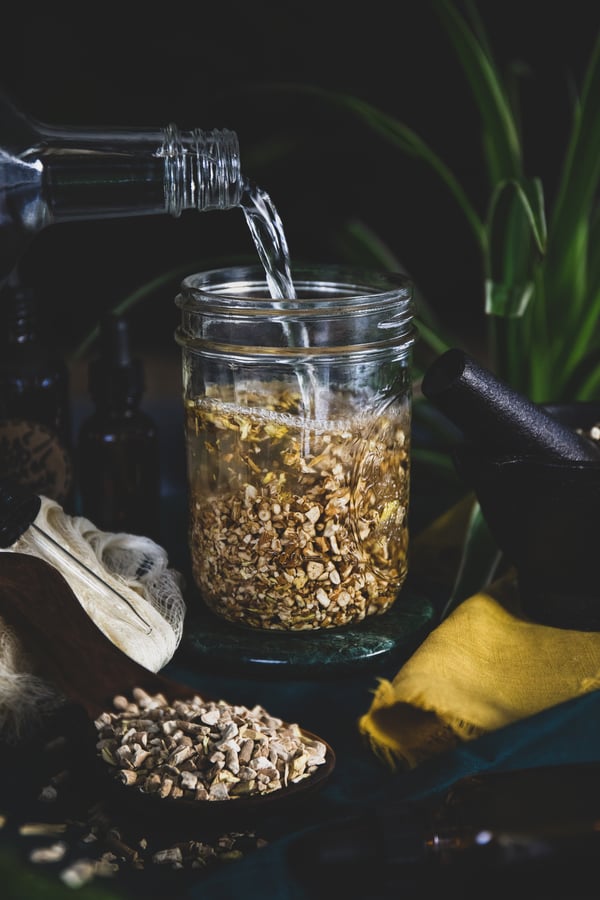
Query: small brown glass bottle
(118, 449)
(35, 418)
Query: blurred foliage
(539, 259)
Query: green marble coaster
(214, 643)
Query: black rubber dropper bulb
(18, 509)
(495, 418)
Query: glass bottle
(118, 450)
(35, 415)
(51, 174)
(297, 424)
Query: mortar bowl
(545, 518)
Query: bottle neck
(93, 173)
(54, 174)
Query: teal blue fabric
(567, 734)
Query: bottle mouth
(336, 309)
(202, 169)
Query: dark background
(196, 65)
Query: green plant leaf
(145, 290)
(502, 142)
(517, 243)
(571, 270)
(590, 387)
(578, 190)
(435, 460)
(594, 257)
(149, 288)
(396, 133)
(478, 564)
(363, 246)
(529, 200)
(584, 381)
(433, 338)
(507, 300)
(516, 223)
(360, 245)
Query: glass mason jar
(297, 423)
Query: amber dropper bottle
(118, 448)
(35, 415)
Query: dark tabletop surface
(270, 856)
(268, 846)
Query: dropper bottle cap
(115, 378)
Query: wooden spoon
(75, 655)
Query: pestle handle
(494, 416)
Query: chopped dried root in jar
(297, 524)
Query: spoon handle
(72, 652)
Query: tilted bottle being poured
(51, 174)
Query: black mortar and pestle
(537, 481)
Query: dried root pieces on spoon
(203, 750)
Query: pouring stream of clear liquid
(266, 229)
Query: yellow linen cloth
(483, 667)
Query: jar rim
(341, 310)
(333, 289)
